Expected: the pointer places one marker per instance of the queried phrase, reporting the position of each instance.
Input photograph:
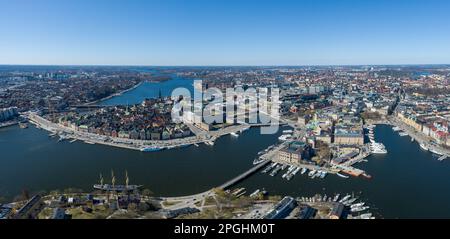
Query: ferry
(424, 147)
(151, 149)
(234, 134)
(342, 176)
(258, 161)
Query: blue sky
(224, 32)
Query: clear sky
(224, 32)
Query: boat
(234, 134)
(288, 131)
(323, 174)
(151, 149)
(358, 205)
(275, 171)
(116, 188)
(403, 134)
(378, 148)
(89, 142)
(412, 139)
(424, 147)
(196, 145)
(442, 158)
(342, 176)
(312, 173)
(258, 161)
(72, 141)
(210, 143)
(23, 125)
(238, 191)
(435, 152)
(359, 209)
(348, 196)
(304, 170)
(336, 198)
(395, 129)
(255, 193)
(284, 137)
(349, 202)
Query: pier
(244, 175)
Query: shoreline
(418, 137)
(115, 94)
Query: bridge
(244, 175)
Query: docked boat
(378, 148)
(255, 193)
(304, 170)
(23, 125)
(284, 137)
(336, 198)
(150, 149)
(424, 147)
(312, 173)
(258, 161)
(72, 141)
(347, 197)
(288, 131)
(358, 205)
(234, 134)
(210, 143)
(435, 152)
(359, 209)
(342, 176)
(403, 134)
(396, 129)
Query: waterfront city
(230, 110)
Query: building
(337, 212)
(282, 209)
(306, 212)
(296, 152)
(8, 113)
(348, 135)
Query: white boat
(358, 205)
(234, 134)
(342, 176)
(288, 131)
(210, 143)
(395, 129)
(348, 196)
(403, 134)
(336, 198)
(284, 137)
(255, 193)
(435, 152)
(424, 147)
(312, 173)
(359, 209)
(304, 170)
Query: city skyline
(203, 33)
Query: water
(150, 90)
(407, 182)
